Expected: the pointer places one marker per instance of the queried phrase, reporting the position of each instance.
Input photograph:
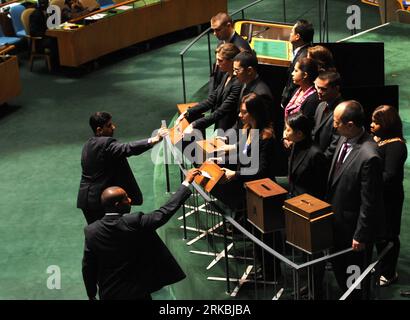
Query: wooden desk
(118, 31)
(269, 40)
(9, 79)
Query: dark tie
(325, 111)
(342, 156)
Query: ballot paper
(124, 7)
(97, 16)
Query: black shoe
(405, 293)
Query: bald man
(123, 255)
(355, 192)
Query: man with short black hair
(355, 192)
(124, 258)
(301, 38)
(324, 135)
(104, 163)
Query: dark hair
(332, 76)
(42, 4)
(389, 120)
(257, 108)
(228, 51)
(299, 122)
(353, 112)
(323, 58)
(247, 59)
(310, 67)
(305, 30)
(99, 119)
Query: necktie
(342, 157)
(325, 111)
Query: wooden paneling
(107, 35)
(10, 85)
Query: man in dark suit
(123, 255)
(324, 134)
(245, 68)
(104, 163)
(355, 192)
(301, 38)
(223, 29)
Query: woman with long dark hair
(388, 133)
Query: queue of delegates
(331, 156)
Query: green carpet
(44, 129)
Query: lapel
(301, 155)
(319, 125)
(222, 90)
(342, 140)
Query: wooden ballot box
(308, 223)
(176, 133)
(265, 199)
(182, 107)
(211, 170)
(210, 147)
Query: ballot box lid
(211, 169)
(265, 188)
(211, 145)
(175, 133)
(308, 206)
(182, 107)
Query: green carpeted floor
(42, 132)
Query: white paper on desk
(124, 7)
(97, 16)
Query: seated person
(223, 101)
(306, 161)
(38, 28)
(305, 98)
(72, 9)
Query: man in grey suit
(324, 135)
(355, 192)
(104, 163)
(124, 258)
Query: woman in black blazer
(388, 133)
(223, 101)
(305, 98)
(307, 163)
(257, 129)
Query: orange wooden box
(214, 171)
(308, 223)
(264, 199)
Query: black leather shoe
(405, 293)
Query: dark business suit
(125, 257)
(323, 133)
(306, 174)
(222, 102)
(290, 87)
(104, 164)
(216, 76)
(355, 193)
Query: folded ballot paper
(96, 16)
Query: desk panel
(118, 31)
(9, 79)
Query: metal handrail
(183, 51)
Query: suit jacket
(306, 174)
(223, 104)
(104, 164)
(125, 257)
(355, 193)
(290, 87)
(216, 76)
(323, 133)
